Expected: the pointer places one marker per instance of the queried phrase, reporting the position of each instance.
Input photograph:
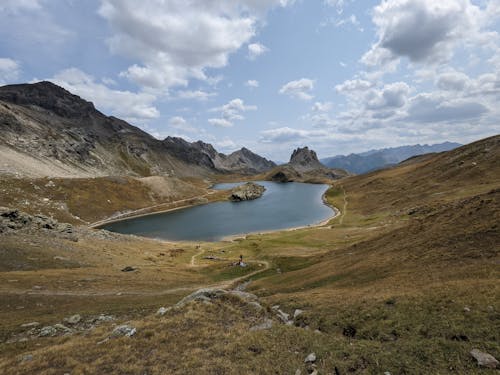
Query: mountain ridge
(381, 158)
(48, 131)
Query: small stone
(275, 307)
(466, 309)
(298, 372)
(37, 287)
(61, 327)
(311, 358)
(129, 269)
(30, 325)
(267, 324)
(484, 359)
(297, 312)
(27, 358)
(162, 311)
(74, 319)
(283, 316)
(124, 330)
(47, 331)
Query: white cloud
(393, 95)
(126, 104)
(195, 95)
(9, 70)
(252, 83)
(322, 106)
(424, 30)
(230, 112)
(339, 4)
(452, 81)
(174, 41)
(255, 50)
(354, 85)
(299, 89)
(180, 123)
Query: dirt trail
(228, 284)
(344, 209)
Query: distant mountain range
(47, 131)
(377, 159)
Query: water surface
(283, 205)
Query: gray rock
(484, 359)
(129, 269)
(27, 358)
(298, 372)
(30, 325)
(257, 306)
(247, 297)
(62, 328)
(285, 318)
(162, 311)
(47, 331)
(124, 330)
(267, 324)
(74, 319)
(466, 309)
(311, 358)
(297, 312)
(248, 191)
(205, 294)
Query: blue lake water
(283, 205)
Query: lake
(283, 206)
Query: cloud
(322, 106)
(231, 112)
(126, 104)
(432, 108)
(9, 70)
(175, 41)
(393, 95)
(299, 89)
(423, 31)
(452, 81)
(282, 135)
(354, 85)
(195, 95)
(180, 123)
(252, 83)
(255, 50)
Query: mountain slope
(377, 159)
(47, 131)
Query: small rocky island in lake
(247, 192)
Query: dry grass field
(403, 281)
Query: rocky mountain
(304, 166)
(378, 159)
(303, 160)
(47, 131)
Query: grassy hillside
(405, 280)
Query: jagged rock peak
(304, 156)
(48, 96)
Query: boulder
(124, 330)
(248, 191)
(484, 359)
(311, 358)
(267, 324)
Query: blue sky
(339, 76)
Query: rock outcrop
(304, 160)
(246, 192)
(304, 166)
(14, 220)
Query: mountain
(47, 131)
(377, 159)
(304, 166)
(303, 160)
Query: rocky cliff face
(303, 159)
(304, 166)
(47, 131)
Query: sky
(339, 76)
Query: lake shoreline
(232, 237)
